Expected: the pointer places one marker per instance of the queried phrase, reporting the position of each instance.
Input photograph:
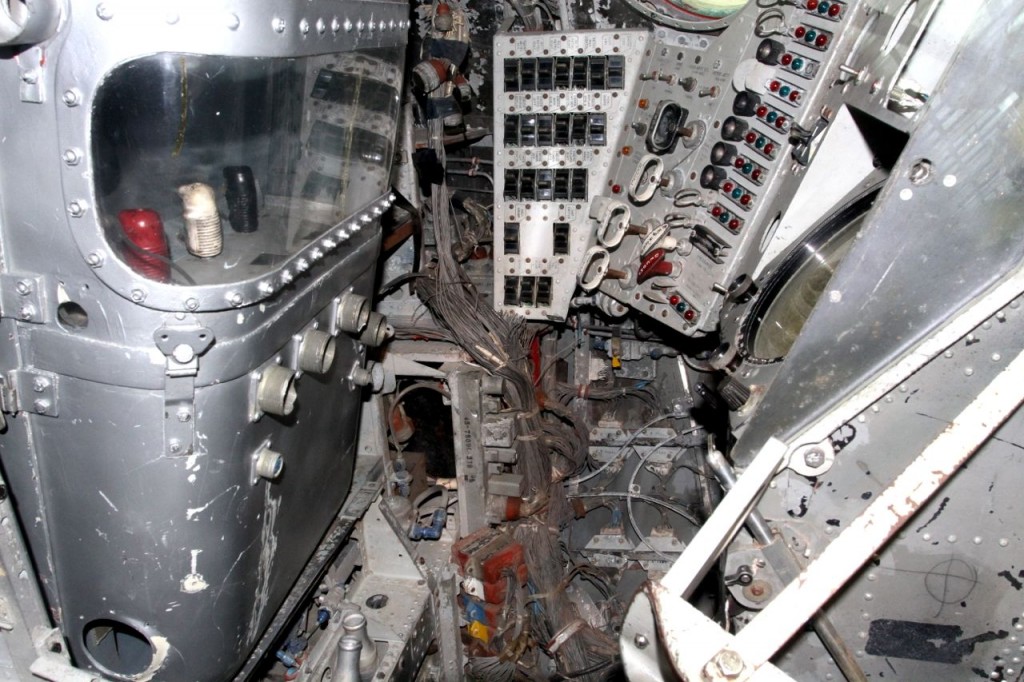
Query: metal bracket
(808, 141)
(23, 297)
(32, 75)
(182, 346)
(30, 390)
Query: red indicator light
(812, 4)
(745, 200)
(727, 187)
(761, 112)
(751, 138)
(780, 122)
(716, 211)
(689, 315)
(673, 299)
(734, 224)
(794, 96)
(769, 149)
(821, 40)
(834, 9)
(774, 86)
(739, 162)
(756, 174)
(616, 189)
(786, 59)
(800, 32)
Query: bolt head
(23, 287)
(192, 304)
(729, 663)
(71, 97)
(76, 209)
(814, 458)
(641, 641)
(174, 445)
(184, 416)
(138, 295)
(41, 405)
(40, 384)
(94, 260)
(104, 12)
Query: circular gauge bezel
(774, 283)
(701, 23)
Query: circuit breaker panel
(559, 104)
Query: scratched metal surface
(928, 249)
(943, 600)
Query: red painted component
(535, 358)
(147, 251)
(652, 265)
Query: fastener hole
(117, 647)
(72, 316)
(377, 601)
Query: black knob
(734, 129)
(769, 51)
(711, 177)
(723, 154)
(745, 104)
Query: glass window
(211, 170)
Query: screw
(76, 209)
(71, 97)
(184, 416)
(729, 663)
(104, 12)
(39, 384)
(41, 405)
(94, 260)
(174, 445)
(192, 304)
(71, 157)
(235, 298)
(641, 641)
(138, 295)
(31, 77)
(920, 172)
(23, 287)
(814, 458)
(279, 24)
(26, 312)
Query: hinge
(29, 390)
(182, 346)
(23, 297)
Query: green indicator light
(760, 142)
(810, 36)
(737, 193)
(747, 167)
(784, 90)
(771, 116)
(798, 64)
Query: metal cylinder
(203, 231)
(276, 392)
(269, 464)
(316, 351)
(353, 313)
(354, 625)
(377, 330)
(346, 665)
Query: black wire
(586, 671)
